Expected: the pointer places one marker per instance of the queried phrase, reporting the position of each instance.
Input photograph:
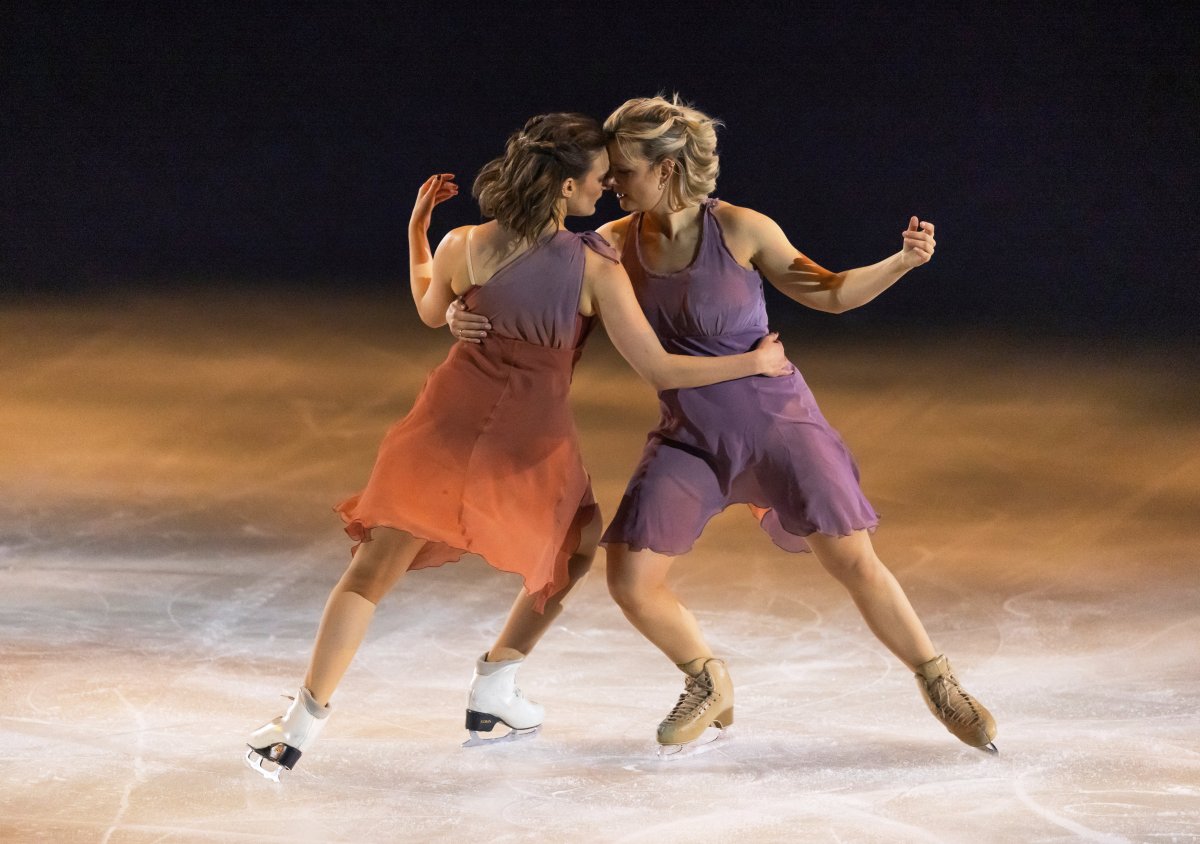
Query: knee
(365, 580)
(581, 561)
(579, 565)
(629, 591)
(376, 568)
(859, 569)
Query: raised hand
(918, 243)
(435, 190)
(466, 326)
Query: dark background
(259, 145)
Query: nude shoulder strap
(470, 264)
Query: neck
(670, 224)
(513, 241)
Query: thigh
(669, 500)
(380, 562)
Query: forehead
(618, 158)
(601, 162)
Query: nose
(608, 181)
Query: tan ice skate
(707, 701)
(961, 714)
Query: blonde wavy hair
(656, 128)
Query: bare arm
(607, 291)
(803, 280)
(614, 231)
(429, 275)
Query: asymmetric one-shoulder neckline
(470, 267)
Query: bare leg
(525, 626)
(877, 593)
(377, 566)
(637, 581)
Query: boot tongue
(694, 667)
(933, 669)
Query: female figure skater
(697, 266)
(487, 461)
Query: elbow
(838, 305)
(659, 382)
(660, 379)
(432, 320)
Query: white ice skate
(279, 743)
(494, 698)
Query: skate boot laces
(952, 702)
(696, 697)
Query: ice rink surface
(166, 545)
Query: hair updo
(656, 128)
(521, 188)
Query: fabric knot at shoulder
(600, 246)
(709, 202)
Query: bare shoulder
(597, 267)
(455, 240)
(614, 231)
(739, 221)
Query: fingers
(919, 242)
(444, 187)
(922, 239)
(466, 326)
(439, 184)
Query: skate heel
(725, 719)
(270, 762)
(283, 755)
(481, 722)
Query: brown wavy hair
(521, 188)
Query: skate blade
(990, 749)
(477, 740)
(254, 761)
(708, 740)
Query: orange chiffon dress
(488, 460)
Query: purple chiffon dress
(759, 441)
